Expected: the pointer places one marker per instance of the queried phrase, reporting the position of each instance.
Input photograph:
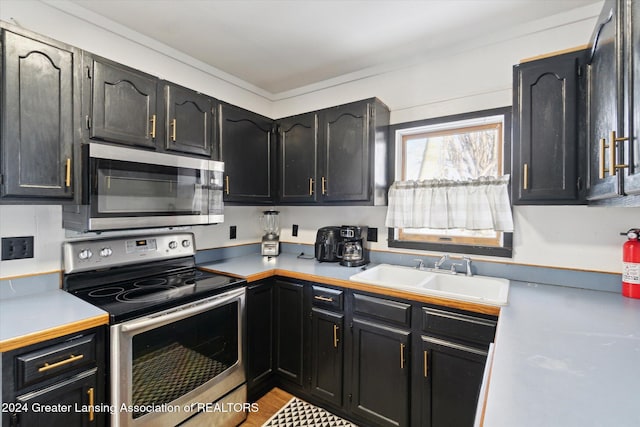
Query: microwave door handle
(154, 322)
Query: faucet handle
(467, 261)
(420, 265)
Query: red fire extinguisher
(631, 264)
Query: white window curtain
(476, 204)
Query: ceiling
(280, 46)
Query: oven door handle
(175, 314)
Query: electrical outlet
(17, 247)
(232, 232)
(294, 230)
(372, 234)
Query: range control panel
(85, 255)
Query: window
(455, 148)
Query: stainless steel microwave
(125, 188)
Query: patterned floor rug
(298, 413)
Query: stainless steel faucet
(420, 265)
(467, 262)
(441, 261)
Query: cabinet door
(451, 376)
(380, 378)
(605, 111)
(123, 105)
(632, 178)
(188, 122)
(546, 138)
(259, 334)
(346, 146)
(297, 156)
(72, 397)
(327, 355)
(289, 331)
(37, 118)
(246, 148)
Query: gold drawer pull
(335, 336)
(324, 186)
(153, 127)
(91, 404)
(71, 359)
(613, 165)
(311, 186)
(321, 298)
(525, 177)
(67, 175)
(402, 346)
(226, 184)
(601, 169)
(174, 125)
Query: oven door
(166, 366)
(128, 188)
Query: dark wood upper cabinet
(613, 104)
(335, 156)
(247, 148)
(190, 118)
(38, 108)
(548, 111)
(297, 158)
(123, 104)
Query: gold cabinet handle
(402, 346)
(91, 404)
(321, 298)
(426, 368)
(226, 184)
(613, 163)
(67, 174)
(174, 125)
(335, 336)
(311, 186)
(71, 359)
(525, 177)
(601, 169)
(153, 127)
(324, 186)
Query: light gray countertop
(51, 313)
(563, 356)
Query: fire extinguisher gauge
(633, 233)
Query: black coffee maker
(326, 247)
(352, 250)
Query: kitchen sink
(482, 289)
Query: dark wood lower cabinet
(70, 400)
(327, 353)
(451, 376)
(289, 335)
(260, 327)
(375, 360)
(381, 373)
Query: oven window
(172, 360)
(126, 188)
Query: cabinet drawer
(327, 298)
(460, 326)
(51, 361)
(382, 309)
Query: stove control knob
(173, 244)
(85, 254)
(105, 252)
(186, 243)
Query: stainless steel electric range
(176, 331)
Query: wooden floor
(268, 405)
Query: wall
(467, 78)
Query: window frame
(506, 250)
